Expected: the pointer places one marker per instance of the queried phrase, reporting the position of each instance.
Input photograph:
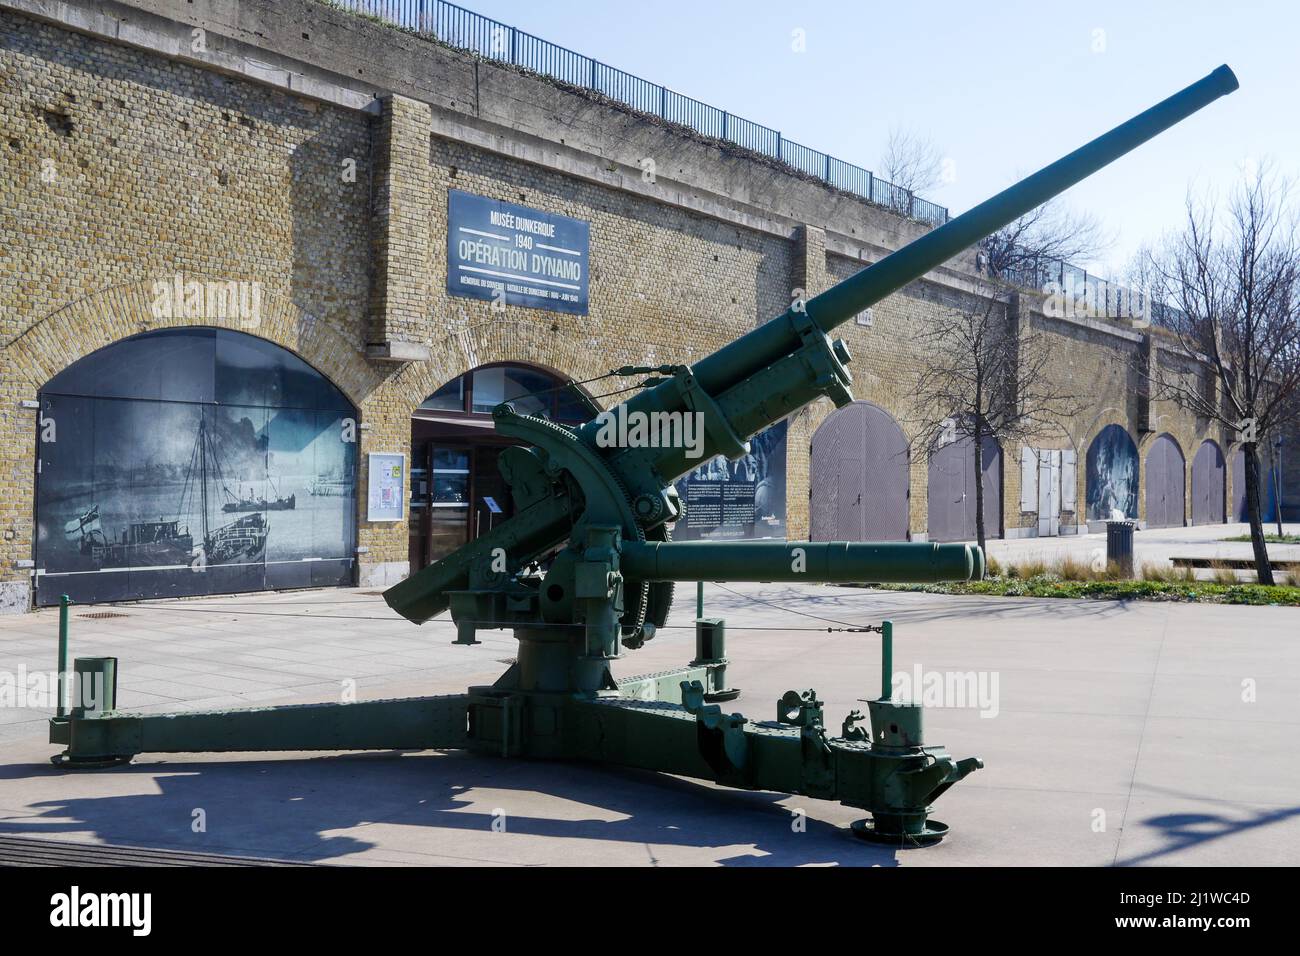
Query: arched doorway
(859, 477)
(193, 461)
(1166, 484)
(457, 492)
(950, 500)
(1112, 475)
(1208, 484)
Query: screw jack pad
(934, 832)
(731, 693)
(64, 762)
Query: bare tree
(1231, 280)
(980, 376)
(911, 162)
(1028, 249)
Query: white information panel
(386, 490)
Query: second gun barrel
(825, 562)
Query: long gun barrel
(731, 365)
(828, 562)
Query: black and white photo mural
(193, 461)
(1112, 475)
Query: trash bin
(1119, 545)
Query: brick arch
(1182, 436)
(556, 373)
(109, 315)
(545, 345)
(1084, 437)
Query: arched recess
(859, 477)
(457, 491)
(184, 300)
(1112, 475)
(561, 348)
(1166, 484)
(193, 460)
(1267, 493)
(950, 496)
(1208, 484)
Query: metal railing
(1079, 293)
(493, 40)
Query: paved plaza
(1119, 733)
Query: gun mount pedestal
(586, 567)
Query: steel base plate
(934, 832)
(731, 693)
(64, 762)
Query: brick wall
(121, 166)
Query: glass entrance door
(440, 502)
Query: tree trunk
(979, 485)
(1277, 485)
(1263, 570)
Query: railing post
(779, 152)
(61, 709)
(886, 660)
(592, 84)
(513, 34)
(724, 124)
(826, 175)
(663, 102)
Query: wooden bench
(1236, 564)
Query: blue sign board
(499, 251)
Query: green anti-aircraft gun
(586, 567)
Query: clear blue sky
(1002, 87)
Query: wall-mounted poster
(192, 461)
(1112, 475)
(744, 498)
(503, 252)
(386, 487)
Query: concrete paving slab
(1120, 736)
(1220, 760)
(1164, 827)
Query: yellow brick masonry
(120, 168)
